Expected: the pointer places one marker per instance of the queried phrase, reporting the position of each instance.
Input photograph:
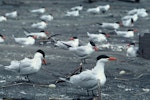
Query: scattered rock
(122, 72)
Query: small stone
(52, 86)
(122, 72)
(146, 90)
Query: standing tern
(90, 79)
(28, 66)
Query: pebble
(122, 72)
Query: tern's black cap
(103, 33)
(132, 43)
(130, 29)
(1, 35)
(42, 52)
(92, 43)
(75, 37)
(102, 56)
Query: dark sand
(133, 85)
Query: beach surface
(127, 78)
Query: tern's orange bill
(135, 30)
(112, 58)
(35, 37)
(120, 24)
(4, 37)
(71, 39)
(128, 45)
(44, 62)
(95, 48)
(107, 35)
(47, 33)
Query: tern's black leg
(99, 90)
(93, 93)
(88, 93)
(83, 61)
(81, 69)
(27, 78)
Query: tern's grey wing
(25, 62)
(85, 80)
(20, 40)
(14, 66)
(80, 49)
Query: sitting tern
(2, 38)
(83, 52)
(73, 42)
(100, 38)
(29, 40)
(132, 50)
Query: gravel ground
(132, 85)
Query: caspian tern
(73, 13)
(132, 50)
(111, 26)
(80, 7)
(84, 52)
(28, 66)
(40, 10)
(91, 79)
(29, 40)
(48, 17)
(141, 12)
(134, 11)
(98, 9)
(126, 34)
(39, 35)
(13, 14)
(94, 10)
(100, 38)
(3, 18)
(104, 8)
(2, 38)
(134, 17)
(128, 22)
(40, 25)
(74, 42)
